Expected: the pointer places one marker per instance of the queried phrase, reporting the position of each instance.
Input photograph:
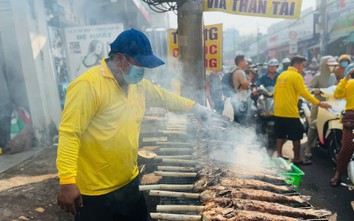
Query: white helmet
(285, 60)
(273, 62)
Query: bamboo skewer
(175, 168)
(174, 157)
(174, 194)
(178, 217)
(172, 132)
(175, 174)
(179, 149)
(169, 208)
(174, 143)
(190, 162)
(166, 187)
(167, 149)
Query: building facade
(33, 52)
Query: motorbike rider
(269, 79)
(344, 60)
(251, 72)
(345, 89)
(323, 79)
(286, 64)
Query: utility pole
(323, 25)
(257, 44)
(191, 49)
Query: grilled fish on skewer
(240, 193)
(270, 178)
(255, 184)
(229, 214)
(256, 176)
(204, 182)
(225, 200)
(261, 195)
(272, 208)
(224, 214)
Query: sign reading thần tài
(289, 9)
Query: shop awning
(349, 39)
(315, 46)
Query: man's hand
(202, 113)
(69, 198)
(324, 105)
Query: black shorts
(124, 204)
(288, 128)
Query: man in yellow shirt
(288, 89)
(99, 132)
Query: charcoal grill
(174, 158)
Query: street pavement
(316, 184)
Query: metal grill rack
(181, 156)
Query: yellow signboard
(213, 47)
(173, 49)
(289, 9)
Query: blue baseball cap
(135, 44)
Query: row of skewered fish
(228, 194)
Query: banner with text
(289, 9)
(88, 45)
(213, 36)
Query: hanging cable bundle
(162, 6)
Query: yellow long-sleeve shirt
(345, 89)
(99, 131)
(288, 89)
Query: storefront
(288, 38)
(341, 30)
(33, 53)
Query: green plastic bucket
(294, 176)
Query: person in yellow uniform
(345, 89)
(99, 132)
(288, 89)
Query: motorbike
(264, 103)
(328, 124)
(305, 114)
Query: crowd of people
(294, 79)
(101, 120)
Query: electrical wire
(161, 6)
